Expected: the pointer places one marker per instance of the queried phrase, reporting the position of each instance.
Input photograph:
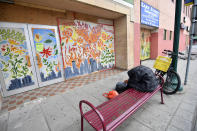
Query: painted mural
(47, 53)
(15, 62)
(86, 47)
(145, 44)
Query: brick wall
(136, 44)
(23, 14)
(120, 42)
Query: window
(170, 35)
(164, 34)
(129, 1)
(183, 8)
(186, 11)
(190, 12)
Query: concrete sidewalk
(61, 112)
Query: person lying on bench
(141, 78)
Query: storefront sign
(189, 2)
(149, 15)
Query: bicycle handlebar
(169, 52)
(180, 53)
(164, 52)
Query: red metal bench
(112, 113)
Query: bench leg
(161, 90)
(81, 123)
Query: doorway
(145, 44)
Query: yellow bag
(162, 63)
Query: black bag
(121, 87)
(142, 79)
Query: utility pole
(177, 25)
(192, 34)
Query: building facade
(45, 42)
(151, 40)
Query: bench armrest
(94, 109)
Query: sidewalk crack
(45, 118)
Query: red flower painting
(3, 49)
(46, 52)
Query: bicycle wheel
(172, 82)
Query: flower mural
(86, 47)
(46, 53)
(14, 58)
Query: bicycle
(163, 66)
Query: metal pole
(191, 39)
(188, 61)
(177, 25)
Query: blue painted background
(189, 2)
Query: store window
(170, 38)
(164, 35)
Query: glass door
(17, 72)
(46, 51)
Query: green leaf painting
(107, 57)
(55, 46)
(56, 52)
(3, 62)
(48, 41)
(5, 69)
(15, 56)
(6, 34)
(52, 35)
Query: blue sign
(149, 15)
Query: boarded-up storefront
(45, 44)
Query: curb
(194, 121)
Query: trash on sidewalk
(121, 86)
(141, 78)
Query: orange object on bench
(111, 94)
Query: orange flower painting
(87, 47)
